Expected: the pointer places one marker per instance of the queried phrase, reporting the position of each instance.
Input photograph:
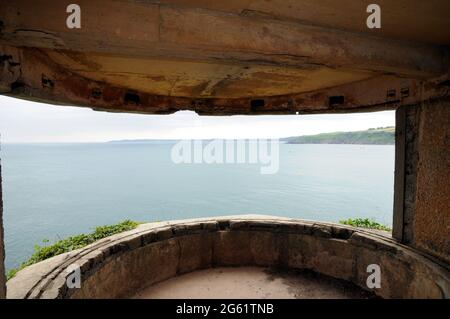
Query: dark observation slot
(132, 98)
(96, 93)
(336, 100)
(391, 94)
(404, 92)
(257, 105)
(46, 82)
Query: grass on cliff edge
(365, 223)
(72, 243)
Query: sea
(51, 191)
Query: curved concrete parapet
(122, 264)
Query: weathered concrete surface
(346, 15)
(2, 247)
(126, 263)
(426, 210)
(254, 283)
(246, 57)
(152, 29)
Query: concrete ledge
(119, 266)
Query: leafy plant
(71, 243)
(365, 223)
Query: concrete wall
(125, 263)
(2, 248)
(423, 217)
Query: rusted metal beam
(157, 30)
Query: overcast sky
(29, 122)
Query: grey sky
(23, 121)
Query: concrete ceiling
(416, 20)
(224, 57)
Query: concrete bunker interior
(291, 58)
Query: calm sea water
(55, 190)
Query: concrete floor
(252, 282)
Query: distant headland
(372, 136)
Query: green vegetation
(364, 223)
(72, 243)
(376, 136)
